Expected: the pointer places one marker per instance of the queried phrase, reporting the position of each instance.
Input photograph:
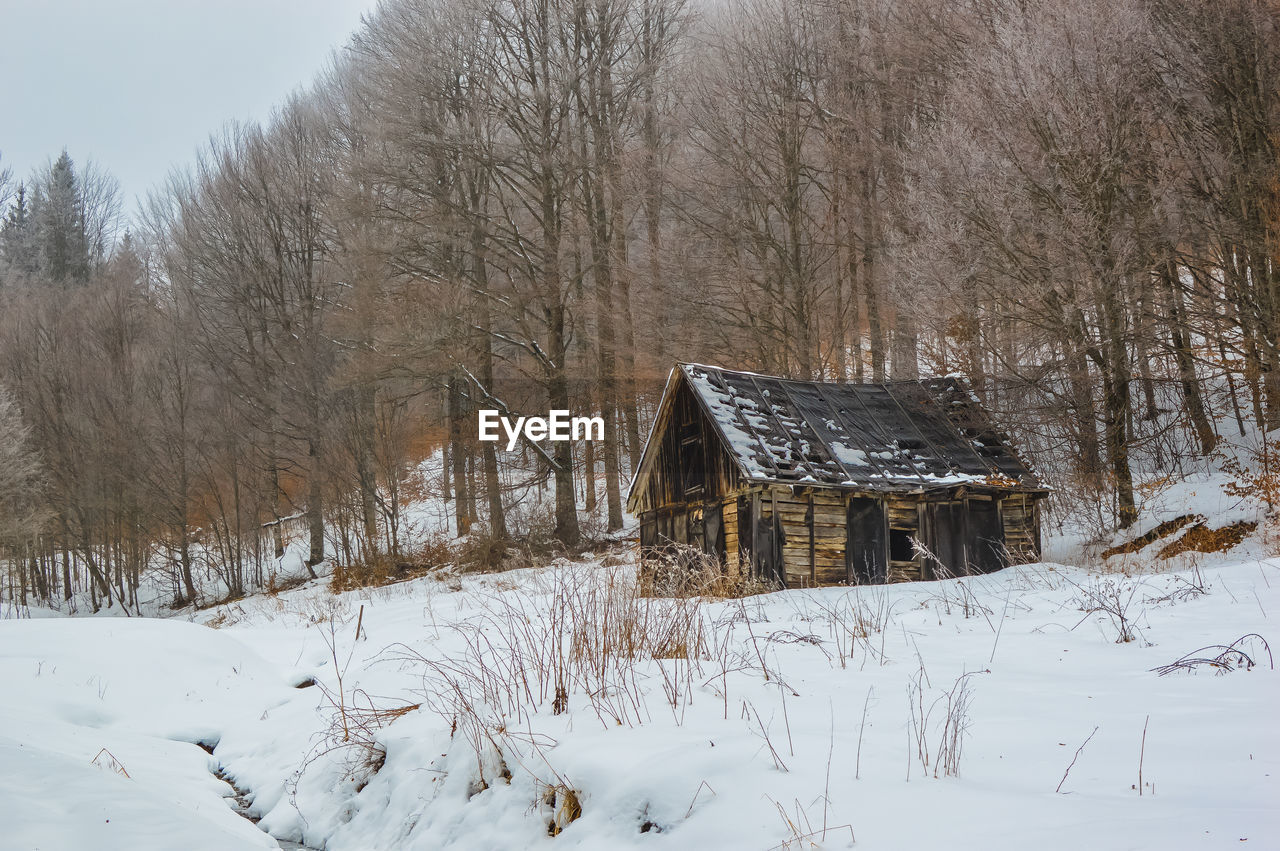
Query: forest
(534, 205)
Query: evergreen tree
(58, 212)
(17, 246)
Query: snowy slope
(797, 713)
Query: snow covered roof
(899, 436)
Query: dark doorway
(986, 537)
(768, 550)
(944, 536)
(713, 531)
(900, 546)
(866, 549)
(761, 538)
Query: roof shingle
(902, 435)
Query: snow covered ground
(987, 712)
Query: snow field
(474, 705)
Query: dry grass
(354, 716)
(1221, 658)
(565, 807)
(1115, 600)
(938, 727)
(679, 570)
(801, 832)
(852, 620)
(580, 637)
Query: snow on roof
(902, 435)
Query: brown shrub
(1163, 530)
(1202, 539)
(483, 552)
(434, 552)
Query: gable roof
(898, 436)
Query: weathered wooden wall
(687, 443)
(1021, 517)
(730, 509)
(814, 529)
(691, 476)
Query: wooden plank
(818, 510)
(802, 553)
(798, 514)
(801, 559)
(792, 502)
(797, 579)
(795, 535)
(903, 571)
(792, 510)
(832, 577)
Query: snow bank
(100, 717)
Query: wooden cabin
(810, 483)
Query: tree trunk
(1185, 360)
(458, 456)
(905, 343)
(870, 282)
(315, 509)
(492, 483)
(365, 419)
(1082, 403)
(1116, 371)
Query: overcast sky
(139, 85)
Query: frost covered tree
(18, 260)
(548, 202)
(22, 509)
